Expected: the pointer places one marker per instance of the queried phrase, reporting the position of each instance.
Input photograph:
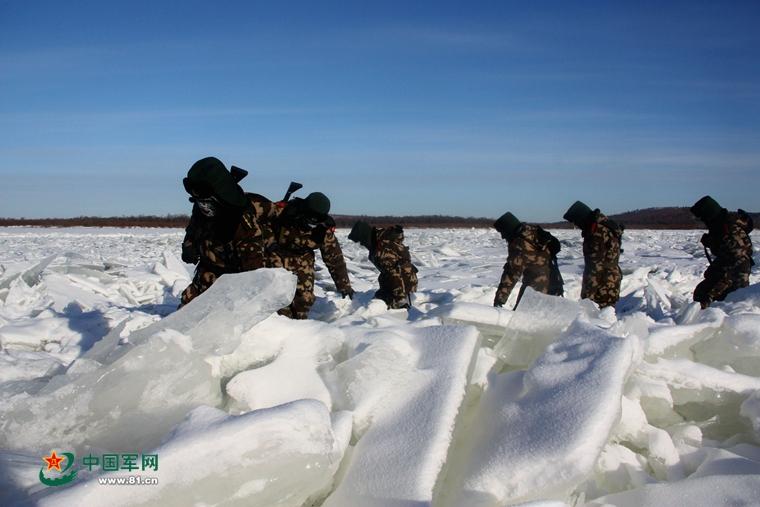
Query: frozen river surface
(454, 403)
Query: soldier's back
(731, 243)
(602, 241)
(533, 245)
(389, 243)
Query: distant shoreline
(678, 218)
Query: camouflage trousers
(720, 281)
(602, 287)
(303, 267)
(202, 280)
(396, 285)
(537, 278)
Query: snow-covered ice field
(455, 403)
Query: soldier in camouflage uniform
(302, 227)
(398, 276)
(601, 253)
(228, 229)
(731, 247)
(532, 257)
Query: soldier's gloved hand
(318, 234)
(348, 294)
(190, 256)
(705, 239)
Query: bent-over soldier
(602, 238)
(532, 256)
(728, 241)
(304, 226)
(398, 276)
(228, 228)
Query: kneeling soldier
(398, 276)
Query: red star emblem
(53, 461)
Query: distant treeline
(656, 218)
(131, 221)
(649, 218)
(419, 221)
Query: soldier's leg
(535, 278)
(523, 286)
(592, 288)
(605, 297)
(556, 283)
(616, 280)
(741, 275)
(538, 279)
(398, 292)
(286, 312)
(398, 301)
(701, 293)
(201, 281)
(409, 272)
(714, 287)
(191, 292)
(607, 292)
(382, 291)
(587, 286)
(304, 297)
(735, 278)
(276, 261)
(397, 304)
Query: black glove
(348, 294)
(705, 240)
(318, 234)
(554, 246)
(190, 256)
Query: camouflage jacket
(729, 241)
(601, 243)
(389, 254)
(231, 243)
(295, 239)
(530, 254)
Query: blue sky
(466, 108)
